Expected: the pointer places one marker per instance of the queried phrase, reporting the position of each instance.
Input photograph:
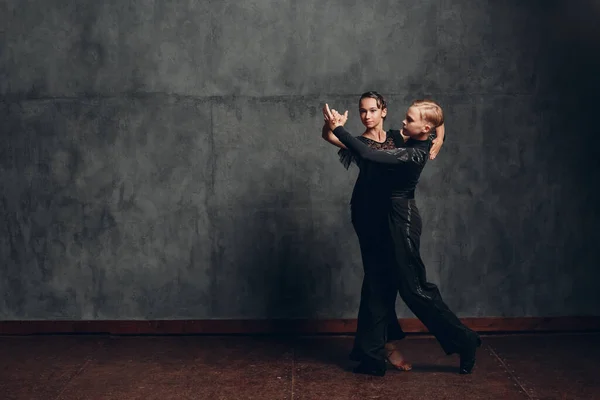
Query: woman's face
(370, 114)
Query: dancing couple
(388, 225)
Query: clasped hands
(333, 119)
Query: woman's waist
(383, 195)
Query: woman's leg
(377, 320)
(393, 329)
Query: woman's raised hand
(341, 119)
(333, 118)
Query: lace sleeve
(346, 157)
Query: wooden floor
(535, 366)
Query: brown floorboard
(536, 366)
(553, 366)
(39, 367)
(190, 367)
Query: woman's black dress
(370, 207)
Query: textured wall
(162, 159)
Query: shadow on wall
(567, 97)
(271, 259)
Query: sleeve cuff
(339, 131)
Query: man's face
(413, 124)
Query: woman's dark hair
(381, 104)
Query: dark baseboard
(281, 326)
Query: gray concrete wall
(163, 159)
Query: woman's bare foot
(395, 358)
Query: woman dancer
(369, 210)
(407, 274)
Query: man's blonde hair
(430, 111)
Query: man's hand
(435, 148)
(440, 134)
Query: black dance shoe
(467, 356)
(370, 367)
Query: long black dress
(402, 168)
(369, 211)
